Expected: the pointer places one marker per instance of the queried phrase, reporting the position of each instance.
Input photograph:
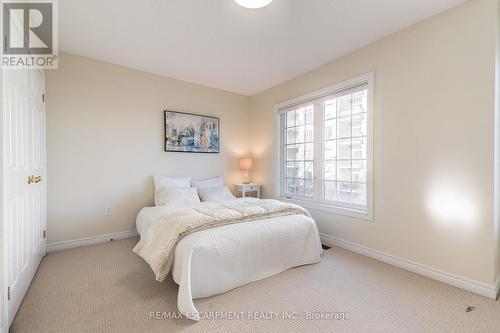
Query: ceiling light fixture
(253, 4)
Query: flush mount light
(253, 4)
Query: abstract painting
(187, 132)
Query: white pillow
(216, 194)
(170, 182)
(177, 197)
(208, 183)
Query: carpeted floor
(107, 288)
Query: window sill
(324, 207)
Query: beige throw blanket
(157, 245)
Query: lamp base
(246, 179)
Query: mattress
(214, 261)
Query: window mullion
(350, 146)
(283, 154)
(319, 111)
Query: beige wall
(104, 142)
(497, 140)
(433, 141)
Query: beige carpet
(107, 288)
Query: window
(299, 155)
(324, 153)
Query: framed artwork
(191, 133)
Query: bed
(217, 259)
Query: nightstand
(245, 188)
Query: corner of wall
(260, 141)
(1, 207)
(2, 212)
(496, 202)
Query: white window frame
(366, 214)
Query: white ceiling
(219, 44)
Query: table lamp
(246, 164)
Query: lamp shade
(246, 164)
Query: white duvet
(213, 261)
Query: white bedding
(213, 261)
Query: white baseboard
(490, 291)
(59, 246)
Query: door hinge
(43, 98)
(8, 293)
(45, 234)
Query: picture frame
(191, 133)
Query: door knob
(34, 179)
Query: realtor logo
(29, 32)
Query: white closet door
(24, 174)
